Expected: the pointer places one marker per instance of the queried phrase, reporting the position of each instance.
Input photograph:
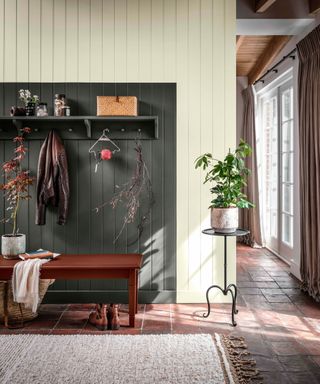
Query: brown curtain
(250, 218)
(309, 141)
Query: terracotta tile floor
(281, 325)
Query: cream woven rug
(111, 359)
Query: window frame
(277, 88)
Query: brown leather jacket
(52, 179)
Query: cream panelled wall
(190, 42)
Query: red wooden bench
(90, 266)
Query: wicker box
(14, 311)
(117, 106)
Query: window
(275, 141)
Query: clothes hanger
(97, 154)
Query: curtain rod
(273, 69)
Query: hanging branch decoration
(131, 194)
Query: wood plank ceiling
(256, 53)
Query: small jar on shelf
(42, 110)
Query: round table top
(238, 232)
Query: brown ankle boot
(113, 317)
(98, 318)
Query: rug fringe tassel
(245, 369)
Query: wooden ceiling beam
(263, 5)
(240, 40)
(267, 57)
(314, 7)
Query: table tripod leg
(233, 306)
(207, 297)
(235, 296)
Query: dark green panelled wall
(89, 232)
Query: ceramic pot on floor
(13, 245)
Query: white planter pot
(224, 220)
(12, 246)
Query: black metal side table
(226, 289)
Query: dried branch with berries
(131, 194)
(17, 180)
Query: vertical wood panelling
(72, 40)
(2, 34)
(108, 23)
(169, 40)
(144, 40)
(23, 41)
(47, 39)
(35, 40)
(190, 42)
(218, 101)
(183, 195)
(89, 232)
(96, 38)
(84, 40)
(207, 136)
(120, 40)
(132, 40)
(157, 53)
(10, 36)
(194, 177)
(59, 40)
(230, 91)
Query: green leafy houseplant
(229, 177)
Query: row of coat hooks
(83, 127)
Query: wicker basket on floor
(17, 312)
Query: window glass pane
(287, 198)
(287, 104)
(287, 167)
(287, 229)
(287, 136)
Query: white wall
(190, 42)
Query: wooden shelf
(82, 127)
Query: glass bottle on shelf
(59, 103)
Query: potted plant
(229, 177)
(30, 101)
(15, 189)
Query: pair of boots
(105, 317)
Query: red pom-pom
(105, 154)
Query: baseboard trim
(145, 297)
(295, 270)
(194, 297)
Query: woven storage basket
(14, 313)
(117, 106)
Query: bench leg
(132, 297)
(137, 289)
(5, 305)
